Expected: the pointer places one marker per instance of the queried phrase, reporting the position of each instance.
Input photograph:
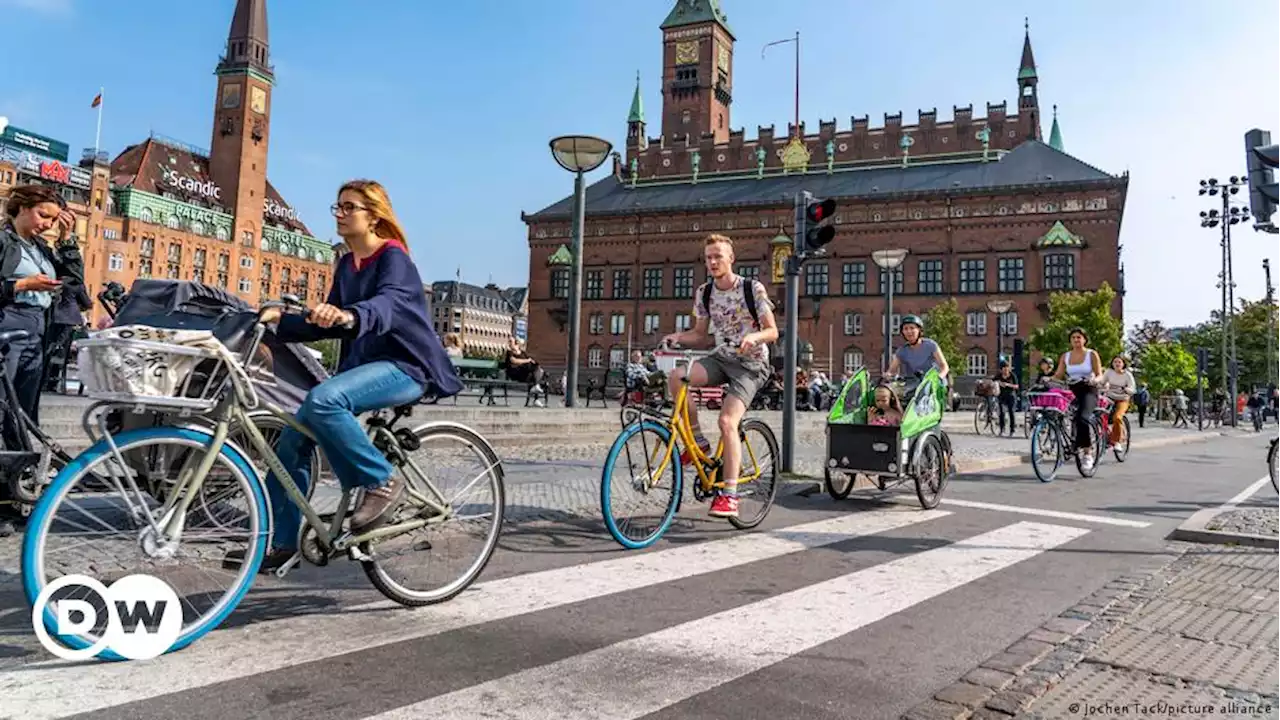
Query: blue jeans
(329, 412)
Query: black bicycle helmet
(911, 320)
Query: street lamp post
(888, 260)
(999, 308)
(1228, 216)
(579, 154)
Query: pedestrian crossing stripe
(55, 689)
(643, 675)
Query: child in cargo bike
(887, 409)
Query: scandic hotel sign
(209, 189)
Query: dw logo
(139, 617)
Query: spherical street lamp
(578, 154)
(888, 260)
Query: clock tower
(697, 71)
(242, 122)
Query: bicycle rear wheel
(1271, 466)
(759, 460)
(75, 513)
(1121, 449)
(630, 478)
(476, 505)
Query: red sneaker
(724, 506)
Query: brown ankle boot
(376, 503)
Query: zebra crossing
(625, 636)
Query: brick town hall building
(985, 207)
(165, 209)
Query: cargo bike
(917, 451)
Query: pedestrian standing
(1141, 400)
(1008, 388)
(1179, 409)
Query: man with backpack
(736, 312)
(1141, 401)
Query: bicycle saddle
(11, 336)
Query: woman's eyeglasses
(340, 209)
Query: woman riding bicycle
(918, 354)
(1120, 389)
(1082, 369)
(391, 355)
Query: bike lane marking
(1246, 493)
(1059, 514)
(643, 675)
(56, 688)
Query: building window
(198, 259)
(929, 277)
(146, 216)
(895, 323)
(197, 227)
(223, 234)
(652, 321)
(246, 262)
(1012, 276)
(749, 272)
(595, 357)
(222, 280)
(1008, 324)
(595, 324)
(653, 282)
(975, 323)
(617, 357)
(115, 263)
(852, 323)
(144, 268)
(560, 283)
(973, 276)
(1060, 271)
(852, 361)
(898, 275)
(977, 365)
(147, 247)
(110, 233)
(854, 280)
(621, 284)
(815, 280)
(617, 324)
(173, 223)
(245, 285)
(684, 322)
(224, 261)
(266, 244)
(594, 285)
(684, 282)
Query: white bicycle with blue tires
(189, 494)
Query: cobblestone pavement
(1251, 521)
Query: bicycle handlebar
(292, 305)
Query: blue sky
(451, 104)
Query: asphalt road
(853, 609)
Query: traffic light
(1262, 157)
(818, 230)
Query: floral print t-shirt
(730, 318)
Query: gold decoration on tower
(795, 156)
(781, 247)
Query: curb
(1007, 683)
(1196, 529)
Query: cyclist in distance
(919, 354)
(391, 355)
(737, 312)
(1082, 369)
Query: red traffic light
(821, 210)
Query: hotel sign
(205, 188)
(275, 209)
(27, 140)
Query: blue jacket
(390, 306)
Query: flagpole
(97, 137)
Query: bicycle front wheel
(1046, 449)
(460, 471)
(109, 526)
(634, 481)
(1271, 466)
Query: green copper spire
(637, 104)
(692, 12)
(1055, 134)
(1027, 69)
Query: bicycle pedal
(288, 565)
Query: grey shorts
(744, 377)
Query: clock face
(687, 53)
(723, 60)
(258, 100)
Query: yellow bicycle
(645, 461)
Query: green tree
(1253, 321)
(1089, 310)
(328, 350)
(1142, 336)
(1167, 366)
(944, 325)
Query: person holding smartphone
(29, 269)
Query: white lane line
(1058, 514)
(1247, 493)
(55, 689)
(636, 677)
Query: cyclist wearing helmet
(918, 354)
